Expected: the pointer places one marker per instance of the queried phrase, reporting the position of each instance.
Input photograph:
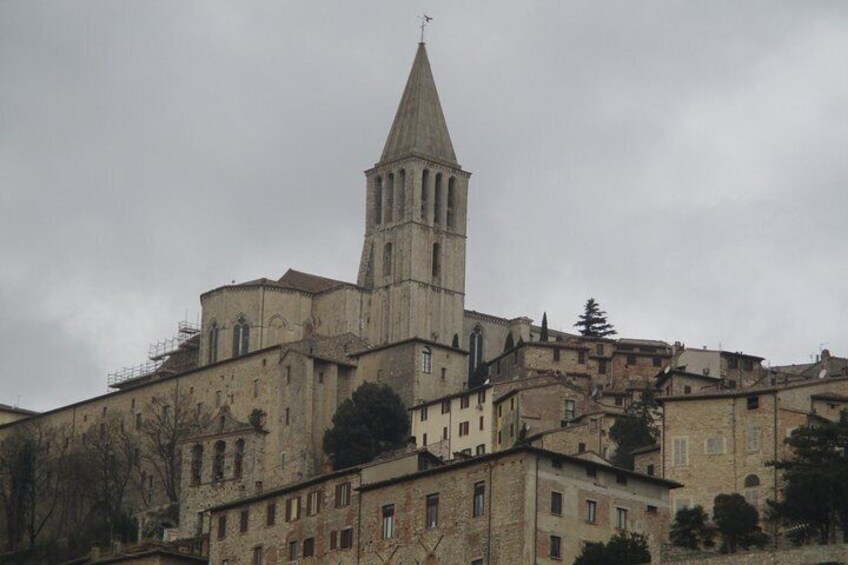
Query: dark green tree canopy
(622, 549)
(816, 490)
(736, 521)
(543, 336)
(593, 321)
(372, 421)
(636, 429)
(690, 529)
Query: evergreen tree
(593, 321)
(636, 429)
(690, 529)
(737, 520)
(543, 336)
(816, 492)
(372, 421)
(622, 549)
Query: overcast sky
(686, 163)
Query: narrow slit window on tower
(241, 337)
(427, 360)
(437, 259)
(425, 180)
(390, 198)
(378, 200)
(238, 459)
(475, 350)
(387, 260)
(437, 200)
(401, 194)
(451, 211)
(213, 342)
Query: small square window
(753, 402)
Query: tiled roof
(313, 284)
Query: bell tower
(413, 258)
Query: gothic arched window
(241, 337)
(387, 260)
(752, 481)
(218, 460)
(401, 194)
(212, 345)
(425, 181)
(437, 200)
(378, 200)
(238, 459)
(196, 464)
(427, 360)
(437, 259)
(451, 201)
(390, 198)
(475, 349)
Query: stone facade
(500, 508)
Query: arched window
(437, 259)
(390, 198)
(437, 200)
(387, 260)
(238, 459)
(401, 194)
(218, 460)
(425, 181)
(241, 337)
(752, 481)
(212, 345)
(475, 350)
(451, 200)
(196, 464)
(427, 360)
(752, 490)
(378, 200)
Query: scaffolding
(134, 372)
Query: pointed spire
(419, 127)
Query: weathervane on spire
(425, 19)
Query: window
(212, 344)
(437, 259)
(196, 464)
(387, 260)
(342, 495)
(255, 388)
(445, 406)
(581, 447)
(752, 494)
(753, 402)
(390, 197)
(222, 526)
(619, 401)
(292, 509)
(747, 365)
(569, 409)
(732, 363)
(651, 509)
(714, 446)
(475, 350)
(424, 440)
(657, 361)
(241, 336)
(218, 399)
(621, 518)
(556, 354)
(388, 521)
(602, 366)
(431, 518)
(425, 187)
(463, 429)
(687, 389)
(479, 499)
(464, 401)
(257, 555)
(477, 562)
(378, 200)
(346, 539)
(244, 520)
(288, 418)
(650, 470)
(138, 421)
(556, 503)
(591, 510)
(445, 432)
(481, 426)
(556, 547)
(313, 503)
(581, 357)
(621, 479)
(451, 201)
(293, 550)
(238, 459)
(334, 540)
(423, 413)
(680, 451)
(218, 460)
(271, 514)
(752, 439)
(480, 449)
(309, 547)
(427, 360)
(631, 359)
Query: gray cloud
(683, 163)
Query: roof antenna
(425, 19)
